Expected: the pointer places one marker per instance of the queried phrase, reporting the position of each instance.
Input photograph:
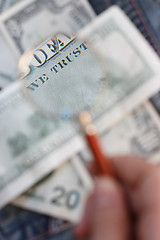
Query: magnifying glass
(63, 77)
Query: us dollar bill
(32, 21)
(32, 145)
(137, 133)
(8, 64)
(111, 37)
(62, 194)
(5, 5)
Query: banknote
(137, 133)
(62, 194)
(4, 5)
(32, 21)
(144, 14)
(8, 64)
(26, 23)
(107, 35)
(32, 145)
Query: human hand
(125, 209)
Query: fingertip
(110, 215)
(80, 232)
(82, 229)
(105, 212)
(107, 192)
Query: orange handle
(102, 162)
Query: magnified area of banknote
(64, 77)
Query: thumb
(109, 217)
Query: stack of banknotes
(43, 180)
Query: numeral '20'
(72, 198)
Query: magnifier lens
(62, 76)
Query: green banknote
(137, 133)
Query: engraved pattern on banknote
(5, 4)
(77, 18)
(7, 64)
(40, 127)
(146, 141)
(138, 134)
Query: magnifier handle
(102, 161)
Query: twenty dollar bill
(62, 194)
